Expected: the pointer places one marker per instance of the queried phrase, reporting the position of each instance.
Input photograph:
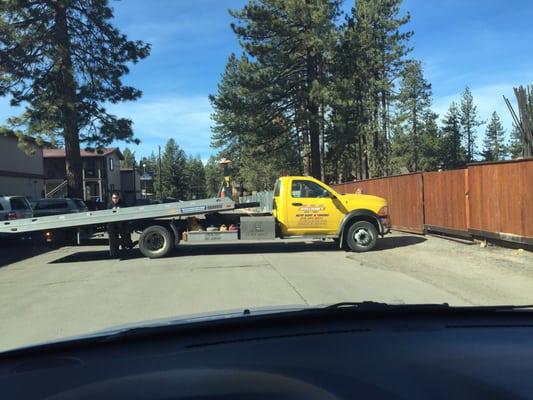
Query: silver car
(14, 207)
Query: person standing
(119, 232)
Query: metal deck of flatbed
(166, 210)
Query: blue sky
(483, 44)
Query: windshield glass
(80, 204)
(249, 154)
(19, 203)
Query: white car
(14, 207)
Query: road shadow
(15, 250)
(393, 242)
(203, 249)
(253, 248)
(228, 248)
(97, 255)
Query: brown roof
(60, 153)
(27, 138)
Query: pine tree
(129, 159)
(494, 148)
(63, 61)
(347, 155)
(515, 146)
(213, 177)
(413, 105)
(173, 178)
(469, 123)
(196, 178)
(291, 41)
(432, 144)
(454, 154)
(249, 130)
(381, 61)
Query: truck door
(312, 210)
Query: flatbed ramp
(135, 213)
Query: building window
(111, 164)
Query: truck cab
(305, 206)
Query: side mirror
(332, 196)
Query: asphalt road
(48, 295)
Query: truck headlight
(384, 211)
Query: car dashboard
(340, 355)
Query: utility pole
(134, 179)
(160, 181)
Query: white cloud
(185, 119)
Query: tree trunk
(384, 147)
(322, 145)
(313, 117)
(67, 103)
(303, 128)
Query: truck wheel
(155, 241)
(361, 236)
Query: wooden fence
(488, 200)
(404, 194)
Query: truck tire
(361, 236)
(156, 241)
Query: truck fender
(358, 215)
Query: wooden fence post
(467, 200)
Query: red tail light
(11, 215)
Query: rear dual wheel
(156, 241)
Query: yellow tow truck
(303, 208)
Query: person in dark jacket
(118, 229)
(116, 201)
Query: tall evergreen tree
(250, 131)
(494, 148)
(515, 146)
(291, 40)
(378, 27)
(432, 144)
(413, 105)
(129, 159)
(213, 177)
(195, 176)
(63, 61)
(173, 178)
(469, 123)
(454, 154)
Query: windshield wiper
(377, 306)
(374, 305)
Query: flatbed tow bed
(167, 216)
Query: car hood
(172, 321)
(356, 201)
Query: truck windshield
(307, 189)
